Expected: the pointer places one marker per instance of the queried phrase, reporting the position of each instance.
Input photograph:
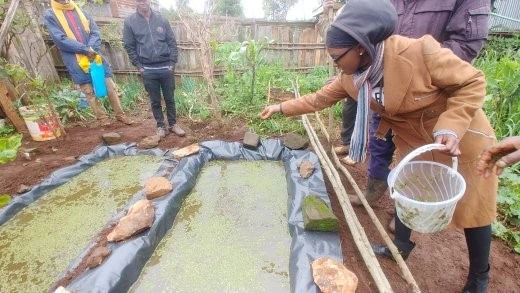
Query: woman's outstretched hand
(499, 156)
(269, 111)
(450, 142)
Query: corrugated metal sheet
(507, 9)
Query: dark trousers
(381, 151)
(348, 113)
(154, 82)
(478, 241)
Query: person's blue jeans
(381, 151)
(154, 82)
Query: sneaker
(342, 150)
(104, 122)
(347, 161)
(125, 120)
(160, 132)
(177, 130)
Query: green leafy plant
(7, 131)
(507, 226)
(190, 99)
(4, 200)
(9, 147)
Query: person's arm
(172, 44)
(59, 37)
(94, 38)
(466, 87)
(323, 98)
(499, 156)
(130, 44)
(467, 29)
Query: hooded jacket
(367, 21)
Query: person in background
(459, 25)
(425, 94)
(499, 156)
(78, 39)
(150, 43)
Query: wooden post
(10, 111)
(7, 21)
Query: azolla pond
(232, 223)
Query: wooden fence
(296, 45)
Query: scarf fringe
(364, 81)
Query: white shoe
(160, 132)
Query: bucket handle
(413, 154)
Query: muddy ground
(439, 262)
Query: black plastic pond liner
(123, 267)
(65, 174)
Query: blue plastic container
(97, 72)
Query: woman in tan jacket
(425, 94)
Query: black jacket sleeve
(130, 43)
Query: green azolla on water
(39, 242)
(231, 234)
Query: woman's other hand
(499, 156)
(450, 142)
(269, 111)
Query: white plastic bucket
(41, 125)
(425, 192)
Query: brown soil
(439, 263)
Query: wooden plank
(10, 111)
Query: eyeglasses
(336, 60)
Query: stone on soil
(97, 257)
(186, 151)
(332, 276)
(251, 140)
(295, 141)
(156, 187)
(306, 169)
(149, 142)
(317, 216)
(23, 189)
(111, 138)
(140, 217)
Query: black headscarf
(337, 38)
(369, 22)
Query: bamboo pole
(358, 234)
(405, 271)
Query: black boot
(404, 249)
(477, 282)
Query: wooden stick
(358, 234)
(405, 271)
(7, 21)
(322, 126)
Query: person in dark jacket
(460, 25)
(77, 37)
(150, 43)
